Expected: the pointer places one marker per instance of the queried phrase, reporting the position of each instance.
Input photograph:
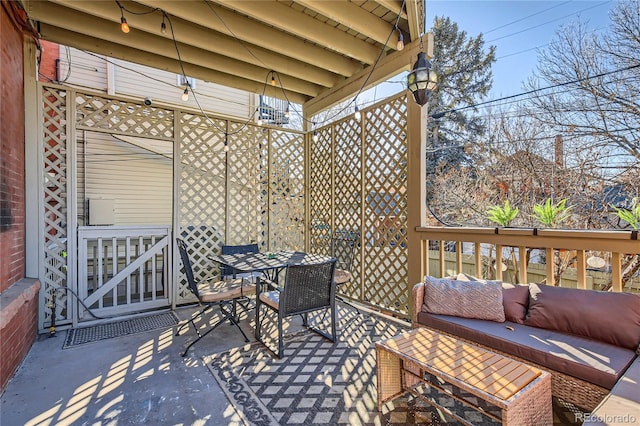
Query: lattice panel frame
(246, 171)
(286, 191)
(123, 117)
(385, 262)
(321, 192)
(202, 189)
(54, 190)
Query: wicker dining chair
(227, 294)
(229, 272)
(343, 248)
(307, 288)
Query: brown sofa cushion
(515, 298)
(468, 299)
(587, 359)
(608, 317)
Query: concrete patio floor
(130, 380)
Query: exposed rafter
(322, 51)
(198, 36)
(348, 14)
(287, 19)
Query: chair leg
(280, 337)
(234, 320)
(228, 314)
(200, 336)
(257, 332)
(192, 319)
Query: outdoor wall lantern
(421, 80)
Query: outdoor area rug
(318, 382)
(80, 336)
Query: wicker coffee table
(422, 359)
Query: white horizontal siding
(139, 181)
(86, 70)
(142, 81)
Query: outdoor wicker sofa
(588, 340)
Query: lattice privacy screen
(253, 192)
(358, 174)
(54, 238)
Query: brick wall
(50, 53)
(18, 296)
(12, 232)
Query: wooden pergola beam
(393, 6)
(287, 19)
(225, 21)
(204, 38)
(387, 67)
(144, 57)
(415, 17)
(350, 15)
(75, 21)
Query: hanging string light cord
(272, 73)
(364, 83)
(195, 96)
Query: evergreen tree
(464, 78)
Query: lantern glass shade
(422, 80)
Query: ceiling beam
(356, 18)
(79, 22)
(143, 57)
(415, 17)
(240, 28)
(287, 19)
(388, 66)
(203, 38)
(393, 6)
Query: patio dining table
(268, 264)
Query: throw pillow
(601, 315)
(467, 299)
(515, 298)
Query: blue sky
(518, 29)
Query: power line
(526, 17)
(529, 92)
(547, 22)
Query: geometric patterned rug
(80, 336)
(319, 382)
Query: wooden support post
(550, 266)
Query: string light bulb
(315, 136)
(356, 113)
(163, 26)
(259, 117)
(400, 45)
(123, 24)
(287, 114)
(185, 94)
(273, 78)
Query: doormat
(80, 336)
(319, 382)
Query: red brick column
(18, 296)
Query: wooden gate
(123, 269)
